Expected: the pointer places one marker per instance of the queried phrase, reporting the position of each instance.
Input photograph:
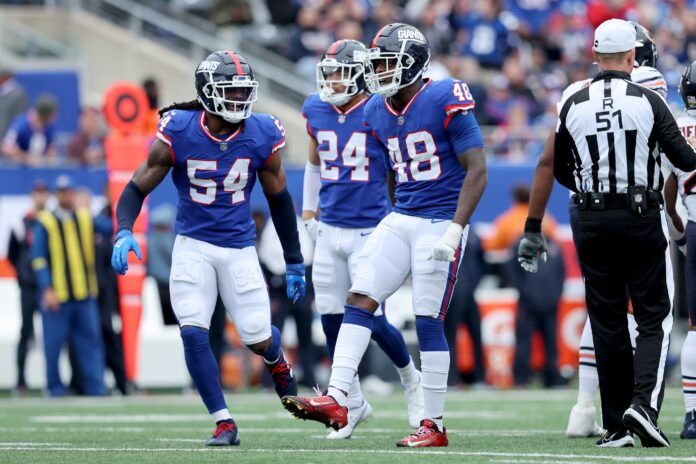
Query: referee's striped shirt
(606, 135)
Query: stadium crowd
(516, 56)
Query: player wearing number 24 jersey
(346, 177)
(437, 176)
(216, 148)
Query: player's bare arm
(671, 193)
(272, 178)
(148, 176)
(542, 184)
(474, 184)
(153, 171)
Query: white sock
(409, 375)
(632, 331)
(351, 344)
(688, 368)
(221, 414)
(355, 394)
(435, 368)
(588, 381)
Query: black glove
(532, 246)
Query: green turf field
(484, 427)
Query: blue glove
(295, 281)
(125, 242)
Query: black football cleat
(225, 434)
(642, 423)
(689, 431)
(621, 439)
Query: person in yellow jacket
(63, 260)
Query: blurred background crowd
(516, 56)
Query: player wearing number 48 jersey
(216, 147)
(346, 178)
(436, 177)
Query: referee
(604, 152)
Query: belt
(601, 201)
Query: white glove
(311, 226)
(445, 248)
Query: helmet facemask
(332, 73)
(231, 100)
(396, 65)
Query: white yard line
(423, 453)
(143, 418)
(30, 443)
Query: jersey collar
(612, 74)
(352, 108)
(410, 102)
(210, 135)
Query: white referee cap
(614, 36)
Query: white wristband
(453, 235)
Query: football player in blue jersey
(216, 147)
(437, 177)
(345, 178)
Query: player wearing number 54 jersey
(437, 175)
(346, 178)
(216, 148)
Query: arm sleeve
(39, 256)
(311, 188)
(285, 222)
(129, 206)
(464, 132)
(666, 131)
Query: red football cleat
(426, 436)
(322, 409)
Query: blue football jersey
(214, 175)
(424, 141)
(353, 174)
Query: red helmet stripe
(237, 64)
(374, 41)
(334, 46)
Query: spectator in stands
(539, 295)
(86, 146)
(63, 259)
(509, 226)
(464, 310)
(30, 138)
(13, 99)
(18, 253)
(160, 243)
(483, 35)
(151, 88)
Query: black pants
(108, 302)
(30, 302)
(621, 251)
(527, 322)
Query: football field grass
(484, 427)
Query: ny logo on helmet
(410, 34)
